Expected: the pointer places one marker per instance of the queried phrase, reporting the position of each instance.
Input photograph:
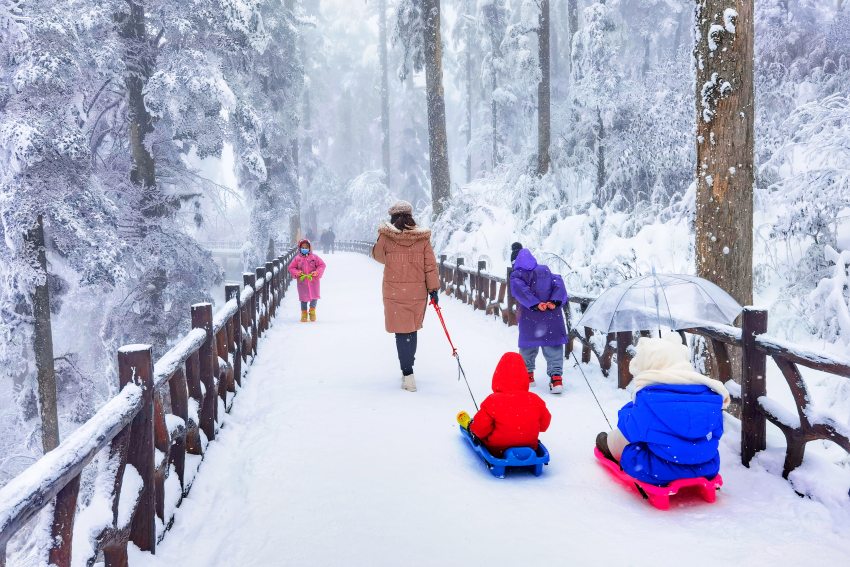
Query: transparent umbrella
(660, 300)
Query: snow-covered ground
(326, 461)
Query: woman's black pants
(406, 345)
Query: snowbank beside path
(326, 461)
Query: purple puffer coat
(533, 283)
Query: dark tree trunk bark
(295, 218)
(137, 60)
(494, 126)
(437, 139)
(544, 128)
(42, 343)
(600, 160)
(385, 91)
(492, 17)
(470, 40)
(572, 17)
(308, 136)
(555, 51)
(725, 111)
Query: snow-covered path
(325, 461)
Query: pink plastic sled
(659, 496)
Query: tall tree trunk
(494, 125)
(295, 217)
(572, 17)
(42, 343)
(600, 160)
(555, 51)
(725, 111)
(138, 64)
(307, 129)
(544, 127)
(492, 14)
(644, 68)
(385, 91)
(437, 138)
(470, 40)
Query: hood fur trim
(412, 235)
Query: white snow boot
(408, 383)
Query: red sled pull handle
(443, 322)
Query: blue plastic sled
(515, 457)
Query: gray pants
(554, 356)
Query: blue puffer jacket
(673, 432)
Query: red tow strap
(445, 330)
(460, 372)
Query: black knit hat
(515, 248)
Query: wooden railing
(492, 294)
(161, 421)
(359, 246)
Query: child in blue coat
(672, 428)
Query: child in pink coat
(307, 268)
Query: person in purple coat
(540, 295)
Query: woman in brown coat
(410, 276)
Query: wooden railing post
(278, 282)
(63, 525)
(511, 319)
(442, 272)
(481, 286)
(624, 376)
(753, 384)
(250, 280)
(179, 407)
(202, 318)
(272, 290)
(459, 280)
(262, 301)
(261, 274)
(233, 291)
(135, 364)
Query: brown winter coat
(410, 272)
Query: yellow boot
(313, 314)
(463, 419)
(303, 315)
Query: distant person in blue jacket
(540, 296)
(672, 428)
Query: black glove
(434, 297)
(534, 307)
(557, 303)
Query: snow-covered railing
(154, 432)
(359, 246)
(492, 294)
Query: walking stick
(460, 371)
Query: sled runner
(659, 496)
(515, 457)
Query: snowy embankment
(326, 461)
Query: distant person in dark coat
(331, 240)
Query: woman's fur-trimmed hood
(404, 236)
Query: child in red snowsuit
(511, 416)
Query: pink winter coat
(308, 290)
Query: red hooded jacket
(511, 416)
